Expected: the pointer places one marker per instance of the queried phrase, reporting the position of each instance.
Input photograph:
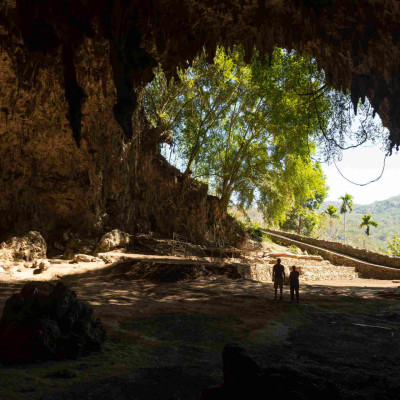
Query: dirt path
(165, 339)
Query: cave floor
(164, 340)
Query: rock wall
(364, 269)
(50, 185)
(361, 254)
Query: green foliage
(367, 222)
(304, 218)
(331, 211)
(294, 249)
(247, 225)
(256, 232)
(245, 129)
(393, 246)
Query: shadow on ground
(165, 339)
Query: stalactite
(356, 43)
(73, 93)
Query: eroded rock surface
(26, 248)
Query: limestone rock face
(27, 248)
(356, 42)
(51, 185)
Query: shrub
(393, 246)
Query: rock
(27, 265)
(47, 322)
(43, 265)
(37, 271)
(84, 258)
(28, 247)
(113, 240)
(244, 379)
(2, 270)
(109, 259)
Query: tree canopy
(244, 128)
(249, 130)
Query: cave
(75, 150)
(79, 161)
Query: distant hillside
(386, 213)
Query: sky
(362, 165)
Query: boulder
(113, 240)
(244, 379)
(47, 322)
(27, 248)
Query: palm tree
(367, 222)
(347, 206)
(331, 211)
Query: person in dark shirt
(294, 284)
(278, 276)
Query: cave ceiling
(356, 42)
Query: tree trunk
(299, 226)
(344, 215)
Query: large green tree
(247, 130)
(304, 217)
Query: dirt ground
(164, 340)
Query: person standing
(278, 276)
(294, 284)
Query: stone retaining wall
(365, 269)
(361, 254)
